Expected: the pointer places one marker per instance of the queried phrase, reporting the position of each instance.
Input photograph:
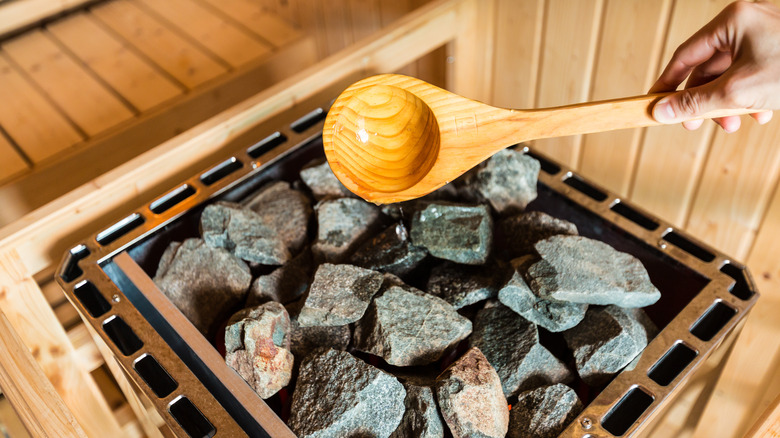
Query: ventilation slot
(91, 298)
(620, 418)
(190, 419)
(547, 165)
(308, 120)
(119, 229)
(686, 245)
(741, 288)
(672, 364)
(581, 186)
(70, 269)
(155, 376)
(220, 171)
(164, 203)
(266, 145)
(634, 216)
(713, 320)
(122, 335)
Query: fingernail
(663, 111)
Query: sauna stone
(516, 235)
(507, 181)
(338, 295)
(462, 234)
(284, 284)
(304, 340)
(242, 232)
(257, 346)
(205, 283)
(337, 395)
(323, 182)
(463, 285)
(607, 340)
(422, 418)
(511, 345)
(470, 398)
(554, 316)
(284, 210)
(406, 326)
(582, 270)
(543, 412)
(343, 224)
(390, 251)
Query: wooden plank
(517, 53)
(224, 40)
(768, 425)
(114, 62)
(23, 109)
(366, 17)
(88, 357)
(672, 158)
(338, 31)
(471, 71)
(17, 15)
(38, 405)
(10, 423)
(13, 163)
(568, 53)
(86, 101)
(632, 36)
(25, 307)
(389, 12)
(174, 54)
(258, 20)
(310, 19)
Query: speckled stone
(304, 340)
(343, 225)
(543, 412)
(516, 235)
(462, 234)
(422, 418)
(507, 180)
(284, 210)
(323, 182)
(338, 295)
(284, 284)
(389, 251)
(463, 285)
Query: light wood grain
(470, 71)
(258, 20)
(768, 425)
(13, 163)
(365, 17)
(17, 15)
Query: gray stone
(607, 340)
(284, 210)
(406, 327)
(242, 232)
(205, 283)
(507, 181)
(390, 251)
(511, 345)
(284, 284)
(543, 412)
(337, 395)
(323, 182)
(582, 270)
(462, 234)
(516, 235)
(343, 224)
(470, 398)
(338, 295)
(463, 285)
(422, 418)
(257, 345)
(554, 316)
(304, 340)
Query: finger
(693, 125)
(762, 117)
(709, 69)
(689, 103)
(729, 124)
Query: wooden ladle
(391, 138)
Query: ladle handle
(607, 115)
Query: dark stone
(242, 232)
(507, 181)
(422, 418)
(257, 345)
(462, 234)
(284, 210)
(582, 270)
(205, 283)
(323, 182)
(463, 285)
(543, 412)
(554, 316)
(511, 345)
(406, 327)
(338, 295)
(337, 395)
(516, 235)
(390, 251)
(344, 224)
(284, 284)
(607, 340)
(304, 340)
(470, 398)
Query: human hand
(732, 62)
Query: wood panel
(13, 163)
(256, 19)
(21, 113)
(137, 81)
(365, 16)
(567, 56)
(631, 40)
(179, 57)
(16, 15)
(50, 67)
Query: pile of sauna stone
(421, 319)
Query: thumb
(686, 104)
